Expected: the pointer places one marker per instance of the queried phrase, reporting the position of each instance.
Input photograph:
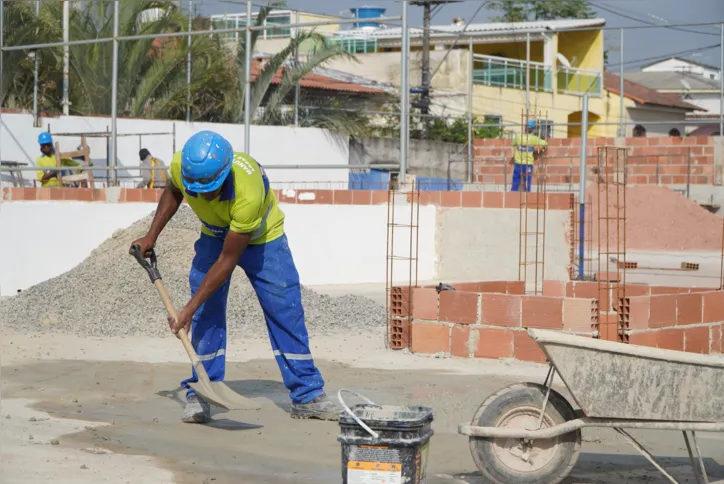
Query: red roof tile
(642, 94)
(317, 81)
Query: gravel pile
(109, 294)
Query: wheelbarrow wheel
(525, 461)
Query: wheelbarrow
(529, 433)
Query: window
(675, 133)
(544, 128)
(493, 119)
(639, 131)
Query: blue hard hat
(45, 138)
(205, 162)
(531, 124)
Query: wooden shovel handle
(172, 311)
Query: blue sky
(638, 44)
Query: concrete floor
(114, 406)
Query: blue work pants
(522, 172)
(271, 271)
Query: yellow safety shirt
(245, 204)
(524, 146)
(49, 162)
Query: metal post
(404, 94)
(471, 70)
(2, 97)
(114, 97)
(527, 74)
(721, 83)
(188, 69)
(247, 81)
(582, 187)
(425, 97)
(298, 87)
(621, 128)
(35, 74)
(66, 56)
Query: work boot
(196, 410)
(321, 408)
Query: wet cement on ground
(142, 402)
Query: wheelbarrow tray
(621, 381)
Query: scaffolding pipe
(114, 95)
(35, 73)
(582, 187)
(66, 57)
(527, 74)
(2, 96)
(621, 129)
(188, 69)
(298, 87)
(247, 80)
(721, 82)
(471, 68)
(404, 93)
(376, 166)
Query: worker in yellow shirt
(241, 225)
(525, 147)
(49, 178)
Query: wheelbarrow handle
(150, 264)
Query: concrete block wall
(660, 160)
(488, 320)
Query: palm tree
(23, 27)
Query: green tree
(527, 10)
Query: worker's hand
(145, 243)
(183, 321)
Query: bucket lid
(389, 415)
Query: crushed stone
(109, 294)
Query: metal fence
(523, 74)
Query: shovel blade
(219, 394)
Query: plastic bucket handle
(351, 413)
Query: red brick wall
(661, 160)
(554, 201)
(488, 319)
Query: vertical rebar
(66, 57)
(471, 69)
(114, 96)
(621, 128)
(247, 80)
(404, 93)
(582, 185)
(36, 60)
(188, 68)
(688, 171)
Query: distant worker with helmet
(525, 147)
(241, 225)
(49, 178)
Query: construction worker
(151, 178)
(49, 178)
(525, 147)
(242, 225)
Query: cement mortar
(110, 294)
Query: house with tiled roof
(649, 112)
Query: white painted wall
(643, 116)
(710, 102)
(270, 145)
(332, 244)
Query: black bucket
(393, 448)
